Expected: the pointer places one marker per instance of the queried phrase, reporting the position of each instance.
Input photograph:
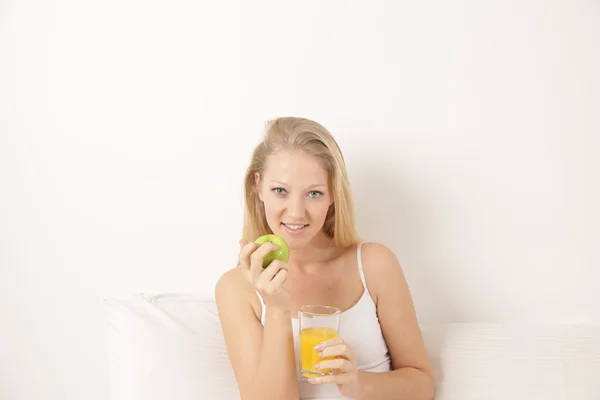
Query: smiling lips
(292, 226)
(294, 229)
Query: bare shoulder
(379, 256)
(230, 278)
(238, 313)
(234, 294)
(382, 269)
(377, 251)
(395, 308)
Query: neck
(320, 249)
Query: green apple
(281, 253)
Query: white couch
(170, 346)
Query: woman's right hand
(268, 281)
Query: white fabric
(167, 347)
(359, 327)
(502, 361)
(170, 346)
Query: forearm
(401, 384)
(276, 373)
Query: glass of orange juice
(316, 324)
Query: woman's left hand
(345, 372)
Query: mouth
(295, 228)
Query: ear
(258, 183)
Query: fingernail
(318, 347)
(317, 366)
(312, 380)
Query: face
(296, 195)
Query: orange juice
(309, 338)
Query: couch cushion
(515, 361)
(167, 346)
(170, 346)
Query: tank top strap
(262, 307)
(360, 265)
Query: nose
(295, 208)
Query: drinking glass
(316, 324)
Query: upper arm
(242, 329)
(395, 308)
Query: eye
(278, 191)
(315, 194)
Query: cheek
(272, 206)
(319, 210)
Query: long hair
(291, 133)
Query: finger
(256, 259)
(337, 350)
(330, 342)
(280, 278)
(339, 379)
(271, 272)
(338, 363)
(275, 285)
(264, 280)
(245, 252)
(249, 248)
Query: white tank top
(359, 327)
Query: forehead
(295, 168)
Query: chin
(296, 239)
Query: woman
(296, 186)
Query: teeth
(295, 226)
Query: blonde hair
(290, 133)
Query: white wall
(470, 129)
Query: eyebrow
(310, 187)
